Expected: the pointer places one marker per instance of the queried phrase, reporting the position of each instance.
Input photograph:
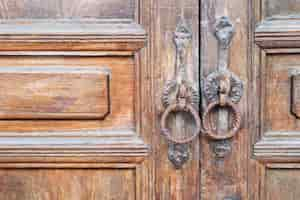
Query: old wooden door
(80, 101)
(261, 161)
(109, 99)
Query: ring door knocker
(180, 97)
(222, 88)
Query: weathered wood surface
(160, 18)
(26, 9)
(47, 92)
(275, 128)
(75, 184)
(224, 164)
(278, 32)
(279, 7)
(105, 152)
(86, 35)
(122, 91)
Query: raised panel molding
(107, 41)
(54, 92)
(276, 35)
(278, 32)
(278, 144)
(70, 35)
(112, 147)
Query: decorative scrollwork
(171, 89)
(221, 148)
(212, 83)
(178, 154)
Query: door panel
(224, 162)
(54, 93)
(118, 111)
(282, 184)
(45, 9)
(70, 98)
(75, 184)
(277, 7)
(276, 143)
(160, 19)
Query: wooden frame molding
(276, 35)
(87, 35)
(82, 39)
(128, 149)
(278, 144)
(278, 32)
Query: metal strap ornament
(222, 88)
(179, 96)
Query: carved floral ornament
(221, 88)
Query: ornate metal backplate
(178, 154)
(212, 84)
(180, 96)
(222, 88)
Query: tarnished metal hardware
(222, 88)
(178, 154)
(211, 130)
(178, 108)
(179, 96)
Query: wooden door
(261, 162)
(109, 99)
(80, 101)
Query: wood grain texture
(278, 7)
(72, 35)
(122, 90)
(226, 177)
(28, 9)
(112, 147)
(277, 99)
(275, 128)
(295, 93)
(278, 145)
(73, 159)
(75, 184)
(161, 18)
(282, 184)
(54, 93)
(278, 32)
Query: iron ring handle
(173, 108)
(211, 133)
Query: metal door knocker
(180, 97)
(222, 88)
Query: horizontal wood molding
(112, 147)
(56, 35)
(278, 144)
(278, 32)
